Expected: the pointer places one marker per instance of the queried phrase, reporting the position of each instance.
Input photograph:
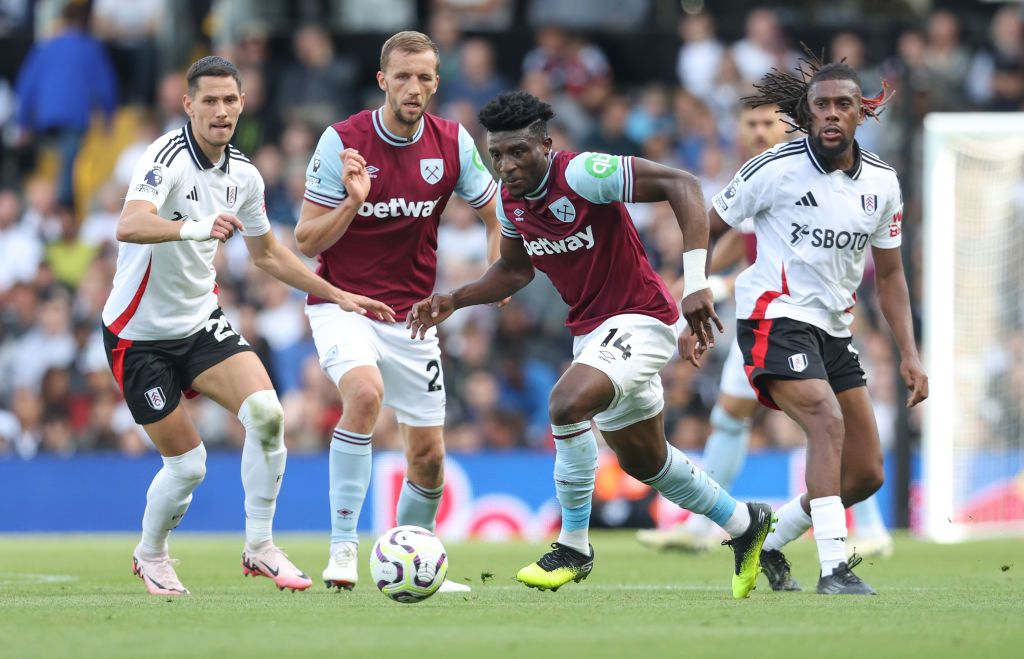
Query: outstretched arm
(894, 299)
(279, 262)
(511, 272)
(140, 224)
(682, 191)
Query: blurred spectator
(69, 256)
(171, 111)
(129, 31)
(996, 77)
(445, 32)
(574, 66)
(257, 124)
(700, 55)
(381, 16)
(478, 15)
(50, 342)
(62, 82)
(612, 15)
(947, 61)
(146, 132)
(610, 136)
(100, 225)
(478, 81)
(762, 47)
(319, 87)
(650, 116)
(280, 209)
(20, 248)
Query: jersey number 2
(221, 330)
(432, 365)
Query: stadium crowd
(85, 87)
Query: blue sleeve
(323, 174)
(105, 82)
(27, 88)
(475, 184)
(600, 178)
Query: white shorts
(734, 376)
(630, 349)
(410, 368)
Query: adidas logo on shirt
(807, 200)
(193, 195)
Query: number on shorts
(620, 342)
(221, 330)
(432, 365)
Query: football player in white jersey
(817, 203)
(165, 332)
(760, 128)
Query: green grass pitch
(74, 596)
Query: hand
(699, 312)
(361, 305)
(916, 380)
(690, 349)
(354, 176)
(217, 226)
(429, 313)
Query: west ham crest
(869, 202)
(431, 169)
(563, 210)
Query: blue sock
(686, 485)
(726, 449)
(349, 471)
(867, 518)
(575, 470)
(417, 505)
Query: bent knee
(565, 408)
(364, 396)
(262, 415)
(427, 459)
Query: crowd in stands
(96, 83)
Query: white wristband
(694, 263)
(198, 230)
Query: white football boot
(158, 574)
(449, 586)
(341, 569)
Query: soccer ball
(408, 564)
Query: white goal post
(973, 279)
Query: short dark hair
(408, 41)
(515, 111)
(214, 67)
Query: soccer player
(564, 213)
(760, 128)
(164, 331)
(817, 203)
(375, 190)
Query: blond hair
(407, 42)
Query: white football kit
(167, 290)
(813, 228)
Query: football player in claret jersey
(564, 213)
(164, 331)
(375, 190)
(817, 204)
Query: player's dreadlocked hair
(789, 92)
(514, 111)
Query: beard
(404, 119)
(830, 151)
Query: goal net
(973, 444)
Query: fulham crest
(798, 362)
(563, 210)
(869, 202)
(431, 169)
(155, 398)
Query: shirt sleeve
(152, 180)
(475, 184)
(601, 178)
(253, 212)
(323, 174)
(507, 228)
(889, 233)
(744, 197)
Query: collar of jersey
(198, 157)
(542, 189)
(391, 138)
(820, 163)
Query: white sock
(829, 531)
(263, 459)
(793, 523)
(350, 465)
(739, 520)
(168, 498)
